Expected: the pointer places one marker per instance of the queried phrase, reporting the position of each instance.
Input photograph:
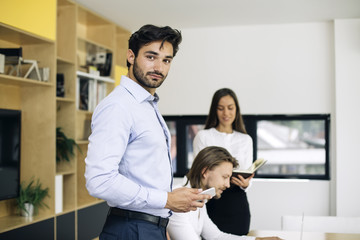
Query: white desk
(306, 235)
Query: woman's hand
(240, 181)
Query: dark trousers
(123, 228)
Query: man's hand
(241, 181)
(185, 199)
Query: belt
(139, 216)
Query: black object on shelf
(84, 94)
(60, 85)
(13, 57)
(105, 69)
(12, 54)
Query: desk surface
(287, 235)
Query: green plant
(32, 193)
(64, 146)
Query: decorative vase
(29, 210)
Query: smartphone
(210, 191)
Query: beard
(141, 77)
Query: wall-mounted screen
(295, 146)
(10, 138)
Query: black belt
(139, 216)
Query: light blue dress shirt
(128, 162)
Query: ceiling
(132, 14)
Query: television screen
(10, 132)
(293, 146)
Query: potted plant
(64, 146)
(31, 198)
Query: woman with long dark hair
(224, 127)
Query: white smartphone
(210, 191)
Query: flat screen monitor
(10, 138)
(295, 146)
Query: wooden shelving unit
(88, 39)
(77, 31)
(37, 126)
(65, 106)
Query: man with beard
(128, 161)
(211, 168)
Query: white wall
(286, 68)
(272, 68)
(347, 51)
(270, 199)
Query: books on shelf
(83, 94)
(90, 90)
(87, 94)
(91, 94)
(101, 91)
(248, 172)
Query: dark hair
(212, 119)
(150, 33)
(207, 159)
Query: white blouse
(239, 145)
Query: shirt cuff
(157, 198)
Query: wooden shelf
(16, 221)
(64, 99)
(95, 77)
(82, 142)
(84, 112)
(65, 211)
(65, 172)
(19, 81)
(20, 37)
(61, 60)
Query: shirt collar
(137, 91)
